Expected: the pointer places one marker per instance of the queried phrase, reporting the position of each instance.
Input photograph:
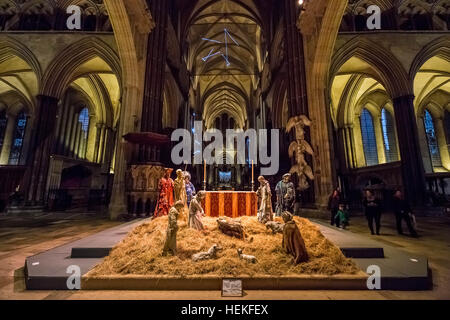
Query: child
(341, 217)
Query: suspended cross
(224, 55)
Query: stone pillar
(73, 135)
(297, 93)
(412, 166)
(379, 139)
(442, 140)
(39, 154)
(154, 79)
(68, 132)
(8, 139)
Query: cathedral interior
(378, 100)
(350, 95)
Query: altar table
(232, 204)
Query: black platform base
(399, 270)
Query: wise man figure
(180, 193)
(190, 189)
(265, 201)
(293, 242)
(196, 212)
(285, 195)
(165, 198)
(170, 245)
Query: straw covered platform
(137, 261)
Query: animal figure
(210, 254)
(276, 227)
(246, 257)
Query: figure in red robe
(165, 199)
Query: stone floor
(17, 243)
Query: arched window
(84, 120)
(390, 143)
(19, 133)
(447, 127)
(3, 122)
(369, 138)
(433, 145)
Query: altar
(232, 204)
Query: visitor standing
(372, 208)
(402, 212)
(333, 204)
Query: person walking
(372, 208)
(402, 212)
(333, 204)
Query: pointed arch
(62, 69)
(383, 63)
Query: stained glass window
(3, 123)
(433, 145)
(390, 143)
(84, 120)
(19, 133)
(369, 138)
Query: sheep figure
(276, 227)
(246, 257)
(210, 254)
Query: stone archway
(319, 24)
(132, 22)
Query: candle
(204, 172)
(252, 172)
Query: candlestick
(253, 178)
(204, 176)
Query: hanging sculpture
(298, 149)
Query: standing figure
(293, 242)
(265, 201)
(196, 212)
(333, 204)
(372, 208)
(170, 246)
(285, 195)
(165, 198)
(402, 212)
(190, 189)
(180, 193)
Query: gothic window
(433, 145)
(3, 122)
(17, 142)
(390, 143)
(368, 138)
(84, 120)
(447, 127)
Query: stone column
(379, 139)
(68, 133)
(8, 139)
(412, 166)
(154, 79)
(73, 135)
(297, 93)
(442, 140)
(39, 154)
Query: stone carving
(298, 149)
